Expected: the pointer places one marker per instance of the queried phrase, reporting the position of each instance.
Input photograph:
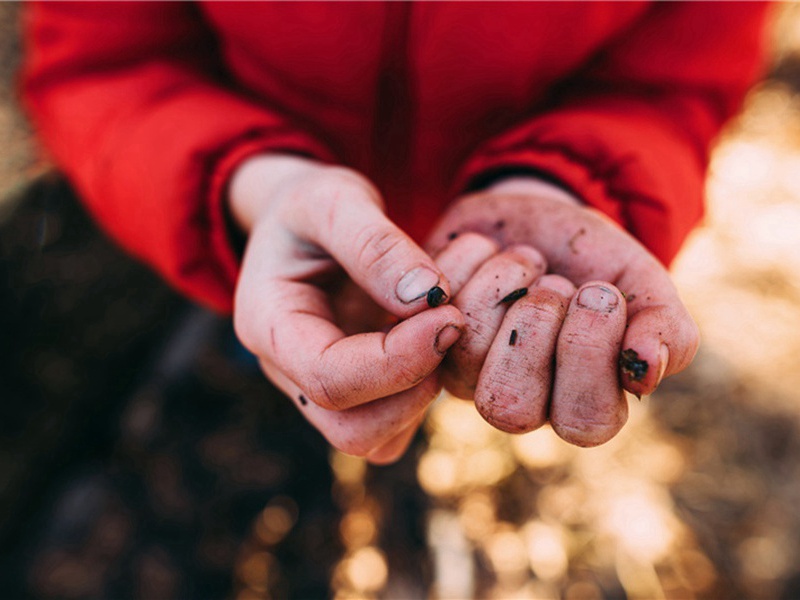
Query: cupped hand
(324, 274)
(563, 308)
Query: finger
(367, 428)
(396, 447)
(340, 372)
(290, 323)
(557, 283)
(483, 301)
(462, 257)
(343, 216)
(514, 386)
(588, 406)
(660, 340)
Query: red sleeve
(631, 134)
(127, 97)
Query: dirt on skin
(696, 498)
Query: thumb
(348, 222)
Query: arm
(630, 135)
(628, 139)
(129, 99)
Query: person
(395, 197)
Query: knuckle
(543, 305)
(377, 247)
(407, 374)
(325, 395)
(337, 183)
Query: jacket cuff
(226, 241)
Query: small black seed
(515, 295)
(302, 400)
(630, 363)
(452, 235)
(436, 296)
(513, 339)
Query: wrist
(533, 186)
(257, 182)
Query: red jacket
(148, 107)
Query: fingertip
(599, 296)
(529, 255)
(557, 283)
(590, 437)
(421, 282)
(659, 342)
(446, 337)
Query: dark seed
(452, 235)
(436, 296)
(302, 400)
(515, 295)
(500, 224)
(630, 363)
(513, 339)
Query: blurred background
(141, 455)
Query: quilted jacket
(149, 107)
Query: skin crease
(319, 309)
(583, 396)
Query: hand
(314, 230)
(565, 351)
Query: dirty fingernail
(446, 338)
(663, 362)
(597, 298)
(436, 297)
(416, 283)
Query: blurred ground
(695, 499)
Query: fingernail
(663, 358)
(598, 298)
(435, 297)
(446, 338)
(416, 283)
(636, 368)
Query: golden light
(276, 520)
(358, 528)
(485, 467)
(639, 520)
(437, 472)
(253, 570)
(452, 556)
(366, 569)
(764, 557)
(546, 550)
(507, 554)
(541, 449)
(476, 514)
(348, 469)
(459, 425)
